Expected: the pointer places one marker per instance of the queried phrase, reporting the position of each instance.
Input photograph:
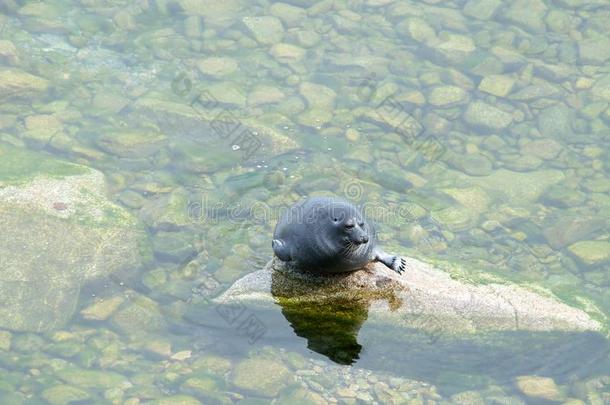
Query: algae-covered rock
(59, 231)
(261, 376)
(594, 50)
(5, 340)
(482, 9)
(131, 143)
(102, 309)
(138, 316)
(64, 395)
(447, 96)
(452, 48)
(176, 400)
(539, 387)
(591, 252)
(217, 66)
(289, 14)
(93, 378)
(266, 30)
(556, 122)
(455, 218)
(167, 211)
(287, 53)
(480, 114)
(517, 187)
(497, 85)
(422, 297)
(318, 96)
(17, 83)
(527, 14)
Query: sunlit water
(475, 133)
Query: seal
(329, 235)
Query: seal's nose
(364, 239)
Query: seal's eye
(335, 219)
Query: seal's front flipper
(281, 250)
(398, 264)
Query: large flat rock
(423, 297)
(59, 230)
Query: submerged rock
(266, 30)
(58, 231)
(591, 252)
(261, 376)
(480, 114)
(18, 83)
(422, 297)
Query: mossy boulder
(59, 230)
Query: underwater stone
(17, 83)
(59, 231)
(64, 395)
(600, 89)
(5, 340)
(308, 38)
(318, 96)
(539, 387)
(216, 13)
(265, 95)
(528, 14)
(290, 15)
(594, 51)
(453, 48)
(261, 376)
(472, 164)
(497, 85)
(102, 309)
(139, 316)
(517, 187)
(591, 252)
(266, 30)
(8, 52)
(447, 96)
(455, 218)
(93, 378)
(568, 230)
(484, 115)
(173, 246)
(131, 143)
(481, 9)
(287, 53)
(169, 211)
(556, 122)
(546, 149)
(176, 400)
(217, 66)
(228, 93)
(418, 29)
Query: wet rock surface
(423, 297)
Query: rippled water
(475, 133)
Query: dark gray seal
(329, 235)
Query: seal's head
(347, 223)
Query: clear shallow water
(477, 134)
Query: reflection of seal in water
(328, 235)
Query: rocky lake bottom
(147, 149)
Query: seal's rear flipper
(281, 250)
(396, 263)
